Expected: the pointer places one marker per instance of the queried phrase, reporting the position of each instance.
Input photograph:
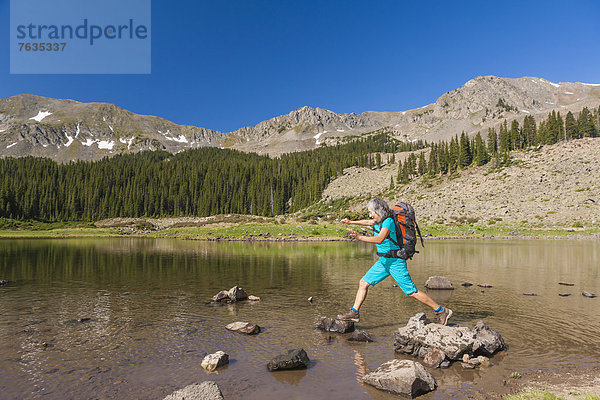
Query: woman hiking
(383, 224)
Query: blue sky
(227, 64)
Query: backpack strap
(419, 232)
(390, 236)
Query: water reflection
(126, 318)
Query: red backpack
(406, 231)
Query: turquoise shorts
(396, 267)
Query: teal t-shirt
(387, 244)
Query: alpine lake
(127, 318)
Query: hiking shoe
(443, 316)
(349, 316)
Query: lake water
(149, 326)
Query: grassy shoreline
(269, 229)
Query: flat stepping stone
(244, 327)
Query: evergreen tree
(570, 127)
(465, 156)
(422, 167)
(492, 140)
(505, 143)
(481, 154)
(515, 135)
(529, 131)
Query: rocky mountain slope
(554, 185)
(68, 130)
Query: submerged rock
(439, 283)
(529, 294)
(466, 284)
(204, 391)
(484, 285)
(360, 336)
(335, 325)
(214, 361)
(293, 359)
(244, 327)
(588, 294)
(564, 294)
(402, 377)
(420, 336)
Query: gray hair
(380, 207)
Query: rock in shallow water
(434, 358)
(244, 327)
(360, 336)
(214, 361)
(3, 282)
(293, 359)
(236, 293)
(439, 283)
(588, 294)
(335, 325)
(466, 284)
(204, 391)
(401, 377)
(420, 336)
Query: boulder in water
(293, 359)
(439, 283)
(335, 325)
(434, 358)
(420, 336)
(221, 297)
(402, 377)
(214, 361)
(4, 282)
(236, 293)
(588, 294)
(244, 327)
(360, 336)
(204, 391)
